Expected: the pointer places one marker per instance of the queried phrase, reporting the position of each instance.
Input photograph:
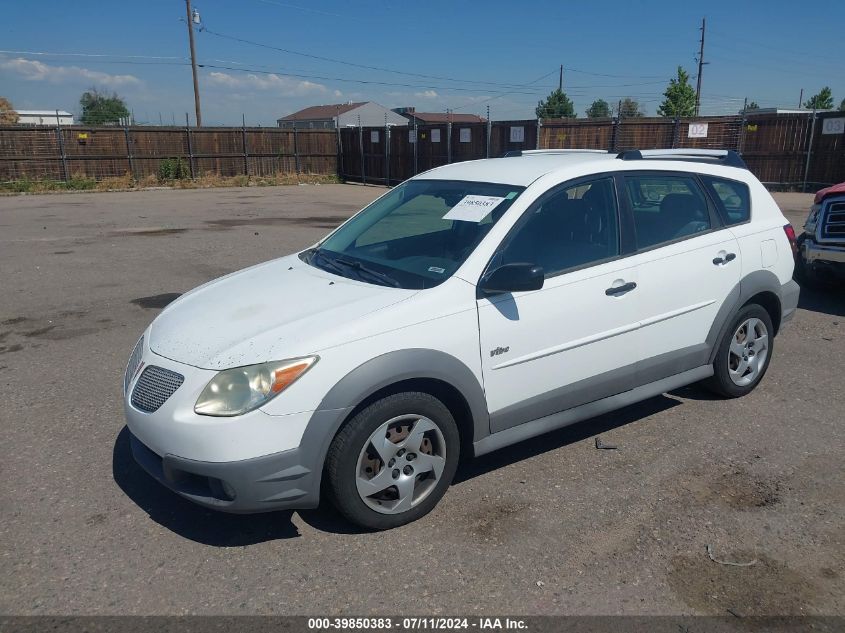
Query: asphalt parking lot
(552, 525)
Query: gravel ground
(548, 526)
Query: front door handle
(619, 290)
(718, 261)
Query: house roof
(322, 111)
(443, 117)
(42, 113)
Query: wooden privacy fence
(781, 150)
(61, 153)
(789, 150)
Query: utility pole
(701, 63)
(560, 81)
(193, 61)
(800, 98)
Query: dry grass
(80, 182)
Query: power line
(503, 94)
(780, 49)
(45, 53)
(420, 75)
(348, 63)
(284, 5)
(343, 79)
(123, 63)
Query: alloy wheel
(400, 464)
(748, 352)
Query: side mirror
(513, 278)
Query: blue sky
(459, 55)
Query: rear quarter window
(732, 197)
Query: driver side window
(569, 228)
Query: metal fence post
(489, 130)
(386, 152)
(449, 139)
(190, 147)
(539, 127)
(361, 148)
(809, 152)
(243, 143)
(340, 169)
(295, 148)
(61, 140)
(416, 142)
(614, 133)
(129, 152)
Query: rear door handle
(718, 261)
(619, 290)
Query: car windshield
(417, 235)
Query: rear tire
(393, 461)
(744, 353)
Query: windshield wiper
(326, 262)
(359, 267)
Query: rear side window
(666, 207)
(733, 198)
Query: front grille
(154, 387)
(834, 221)
(133, 364)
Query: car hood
(829, 191)
(271, 311)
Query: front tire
(393, 461)
(744, 353)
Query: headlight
(236, 391)
(133, 365)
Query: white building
(44, 117)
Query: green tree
(752, 105)
(99, 108)
(599, 109)
(821, 101)
(679, 96)
(556, 106)
(630, 109)
(7, 112)
(842, 106)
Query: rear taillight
(790, 235)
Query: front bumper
(273, 482)
(255, 462)
(814, 252)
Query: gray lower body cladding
(789, 296)
(285, 480)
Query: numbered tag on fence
(833, 126)
(697, 130)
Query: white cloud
(32, 70)
(271, 82)
(427, 94)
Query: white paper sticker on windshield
(473, 208)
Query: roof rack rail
(727, 157)
(564, 151)
(530, 152)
